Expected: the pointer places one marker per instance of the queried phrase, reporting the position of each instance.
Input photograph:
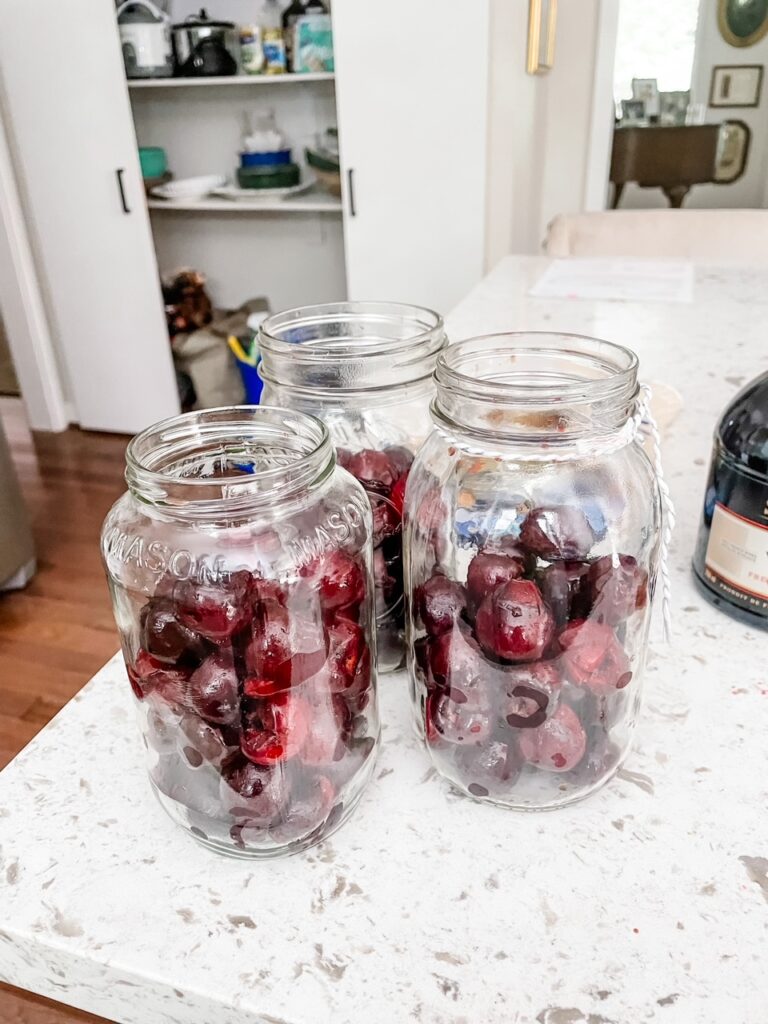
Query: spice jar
(364, 368)
(532, 526)
(240, 571)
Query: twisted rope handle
(648, 428)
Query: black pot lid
(202, 20)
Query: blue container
(278, 156)
(252, 383)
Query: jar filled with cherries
(532, 527)
(365, 369)
(240, 571)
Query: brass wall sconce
(542, 25)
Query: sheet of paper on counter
(620, 280)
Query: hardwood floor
(59, 630)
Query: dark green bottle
(731, 558)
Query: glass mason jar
(532, 528)
(364, 368)
(239, 563)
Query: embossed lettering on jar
(241, 578)
(532, 526)
(364, 368)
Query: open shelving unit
(313, 203)
(230, 80)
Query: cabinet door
(411, 86)
(69, 123)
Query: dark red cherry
(343, 457)
(148, 674)
(455, 658)
(440, 602)
(593, 657)
(204, 739)
(490, 769)
(164, 636)
(397, 497)
(251, 791)
(400, 457)
(276, 730)
(346, 645)
(558, 745)
(454, 722)
(566, 588)
(488, 570)
(338, 579)
(283, 647)
(619, 588)
(212, 689)
(533, 692)
(387, 520)
(514, 623)
(375, 470)
(358, 695)
(557, 532)
(216, 611)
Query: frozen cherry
(488, 570)
(454, 722)
(455, 658)
(216, 611)
(440, 602)
(284, 648)
(397, 497)
(400, 457)
(338, 579)
(164, 636)
(514, 623)
(346, 646)
(533, 692)
(358, 695)
(593, 656)
(558, 745)
(276, 730)
(252, 791)
(387, 520)
(212, 689)
(489, 769)
(204, 739)
(619, 588)
(375, 470)
(148, 674)
(557, 532)
(566, 588)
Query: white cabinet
(69, 124)
(410, 100)
(412, 82)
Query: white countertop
(647, 902)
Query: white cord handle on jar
(641, 426)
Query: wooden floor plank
(55, 634)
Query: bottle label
(737, 557)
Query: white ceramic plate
(254, 194)
(189, 188)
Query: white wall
(549, 135)
(751, 190)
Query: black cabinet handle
(351, 191)
(120, 172)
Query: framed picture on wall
(736, 86)
(647, 90)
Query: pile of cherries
(523, 664)
(256, 693)
(384, 474)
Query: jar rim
(617, 364)
(187, 461)
(351, 346)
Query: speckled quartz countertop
(648, 902)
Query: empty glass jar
(532, 528)
(240, 570)
(365, 368)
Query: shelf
(180, 83)
(310, 203)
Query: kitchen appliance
(205, 48)
(146, 39)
